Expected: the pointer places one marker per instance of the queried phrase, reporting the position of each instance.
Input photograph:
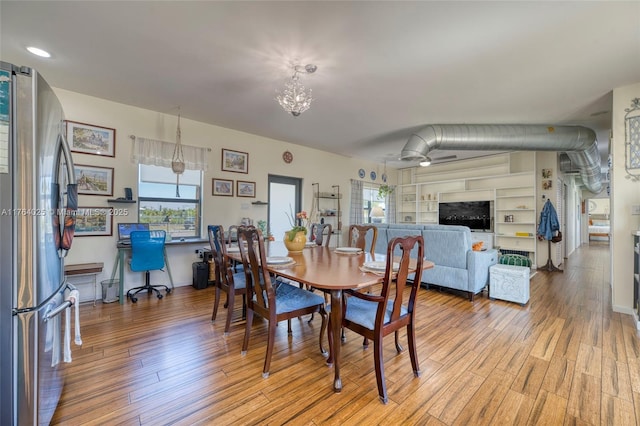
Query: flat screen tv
(474, 214)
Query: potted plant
(296, 238)
(262, 226)
(384, 190)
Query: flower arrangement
(296, 223)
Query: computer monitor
(125, 230)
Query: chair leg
(411, 337)
(230, 299)
(379, 364)
(365, 343)
(323, 328)
(289, 326)
(215, 304)
(247, 331)
(270, 340)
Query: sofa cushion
(447, 247)
(396, 233)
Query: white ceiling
(384, 68)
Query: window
(162, 208)
(373, 207)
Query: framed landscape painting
(222, 187)
(94, 180)
(235, 161)
(90, 139)
(94, 221)
(246, 189)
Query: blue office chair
(147, 254)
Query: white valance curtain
(390, 204)
(160, 153)
(355, 214)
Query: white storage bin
(509, 282)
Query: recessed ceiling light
(39, 52)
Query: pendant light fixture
(294, 98)
(177, 161)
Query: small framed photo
(90, 139)
(94, 222)
(94, 180)
(222, 187)
(235, 161)
(546, 184)
(245, 189)
(546, 173)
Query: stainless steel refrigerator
(38, 199)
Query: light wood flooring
(564, 358)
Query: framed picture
(94, 180)
(90, 139)
(94, 221)
(235, 161)
(245, 189)
(222, 187)
(546, 173)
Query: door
(285, 200)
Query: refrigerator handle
(72, 199)
(61, 307)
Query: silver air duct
(578, 142)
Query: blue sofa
(457, 266)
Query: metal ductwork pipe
(578, 142)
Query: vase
(297, 244)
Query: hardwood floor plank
(548, 409)
(515, 409)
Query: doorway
(285, 200)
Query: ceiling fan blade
(448, 157)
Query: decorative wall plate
(287, 157)
(373, 175)
(361, 173)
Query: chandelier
(294, 98)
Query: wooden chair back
(318, 234)
(358, 237)
(254, 256)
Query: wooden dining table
(324, 268)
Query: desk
(321, 267)
(123, 248)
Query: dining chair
(232, 237)
(273, 300)
(147, 254)
(318, 235)
(358, 237)
(375, 316)
(232, 283)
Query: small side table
(509, 282)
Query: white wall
(265, 156)
(624, 194)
